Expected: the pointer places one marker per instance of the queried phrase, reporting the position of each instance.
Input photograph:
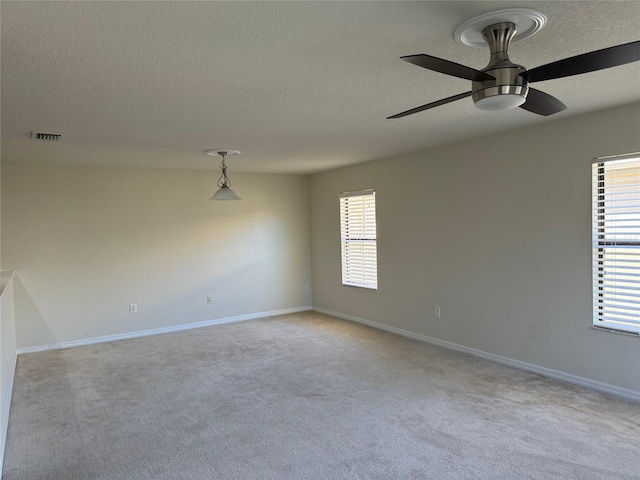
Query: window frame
(620, 250)
(362, 225)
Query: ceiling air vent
(49, 137)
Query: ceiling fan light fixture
(500, 102)
(494, 99)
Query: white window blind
(616, 243)
(358, 239)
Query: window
(616, 243)
(358, 239)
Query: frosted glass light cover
(500, 102)
(225, 193)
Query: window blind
(358, 239)
(616, 243)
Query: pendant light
(225, 192)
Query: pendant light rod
(223, 181)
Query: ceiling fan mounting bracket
(528, 22)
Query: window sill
(371, 289)
(619, 332)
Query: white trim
(159, 331)
(547, 372)
(5, 419)
(616, 157)
(613, 330)
(2, 287)
(358, 193)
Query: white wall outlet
(133, 308)
(436, 312)
(307, 287)
(209, 298)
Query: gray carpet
(305, 396)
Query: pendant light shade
(225, 192)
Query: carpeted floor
(305, 396)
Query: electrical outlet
(436, 312)
(307, 287)
(133, 308)
(209, 299)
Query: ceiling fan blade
(431, 105)
(447, 67)
(587, 62)
(542, 103)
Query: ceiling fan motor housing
(508, 88)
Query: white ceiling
(298, 87)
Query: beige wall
(88, 241)
(497, 232)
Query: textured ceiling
(298, 87)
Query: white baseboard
(547, 372)
(158, 331)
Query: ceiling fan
(502, 85)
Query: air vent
(48, 137)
